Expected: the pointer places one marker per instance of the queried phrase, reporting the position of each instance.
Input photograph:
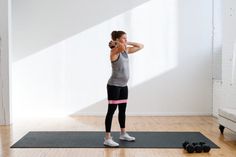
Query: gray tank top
(120, 70)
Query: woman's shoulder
(114, 56)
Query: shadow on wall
(34, 30)
(67, 78)
(67, 82)
(186, 88)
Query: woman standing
(117, 89)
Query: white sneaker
(126, 137)
(110, 143)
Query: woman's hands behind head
(120, 47)
(113, 44)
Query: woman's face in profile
(123, 39)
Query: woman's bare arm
(118, 48)
(134, 47)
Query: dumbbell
(188, 147)
(197, 147)
(206, 148)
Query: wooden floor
(207, 125)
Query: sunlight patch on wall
(72, 74)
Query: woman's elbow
(141, 46)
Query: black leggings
(117, 96)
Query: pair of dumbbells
(197, 147)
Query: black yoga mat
(94, 139)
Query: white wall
(38, 24)
(172, 75)
(5, 62)
(225, 91)
(217, 54)
(217, 39)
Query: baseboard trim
(147, 114)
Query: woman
(117, 89)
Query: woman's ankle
(108, 135)
(122, 131)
